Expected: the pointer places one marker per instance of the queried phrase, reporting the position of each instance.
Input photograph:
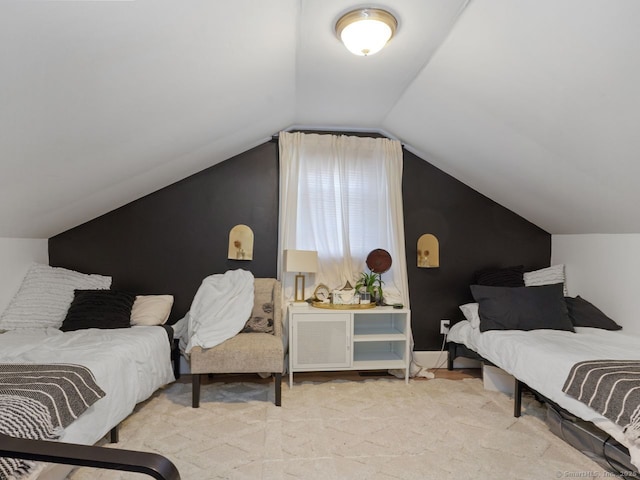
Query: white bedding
(220, 308)
(542, 360)
(129, 364)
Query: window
(342, 196)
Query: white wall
(605, 270)
(16, 254)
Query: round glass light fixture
(366, 31)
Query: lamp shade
(301, 261)
(366, 31)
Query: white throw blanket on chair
(221, 307)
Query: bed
(542, 359)
(128, 364)
(525, 323)
(63, 317)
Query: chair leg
(195, 390)
(278, 381)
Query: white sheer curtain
(342, 196)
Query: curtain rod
(276, 136)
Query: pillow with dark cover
(501, 277)
(522, 308)
(98, 309)
(584, 314)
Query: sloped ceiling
(533, 103)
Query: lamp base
(299, 288)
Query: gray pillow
(522, 308)
(501, 277)
(261, 320)
(585, 314)
(45, 295)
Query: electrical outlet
(444, 326)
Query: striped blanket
(39, 401)
(610, 387)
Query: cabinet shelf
(379, 365)
(377, 360)
(379, 337)
(362, 329)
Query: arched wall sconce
(428, 251)
(240, 243)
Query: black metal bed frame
(456, 350)
(152, 464)
(155, 465)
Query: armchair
(246, 352)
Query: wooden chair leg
(195, 390)
(278, 382)
(114, 437)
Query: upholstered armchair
(253, 352)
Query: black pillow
(501, 277)
(98, 309)
(585, 314)
(522, 308)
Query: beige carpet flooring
(376, 428)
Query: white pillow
(45, 295)
(151, 309)
(470, 311)
(546, 276)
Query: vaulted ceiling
(533, 103)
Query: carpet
(378, 428)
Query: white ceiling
(533, 103)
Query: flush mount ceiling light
(366, 31)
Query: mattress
(129, 364)
(542, 360)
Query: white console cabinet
(360, 339)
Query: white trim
(438, 359)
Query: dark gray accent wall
(474, 233)
(168, 241)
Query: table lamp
(300, 262)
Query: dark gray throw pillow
(584, 314)
(98, 309)
(501, 277)
(522, 308)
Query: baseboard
(438, 359)
(431, 359)
(466, 363)
(426, 359)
